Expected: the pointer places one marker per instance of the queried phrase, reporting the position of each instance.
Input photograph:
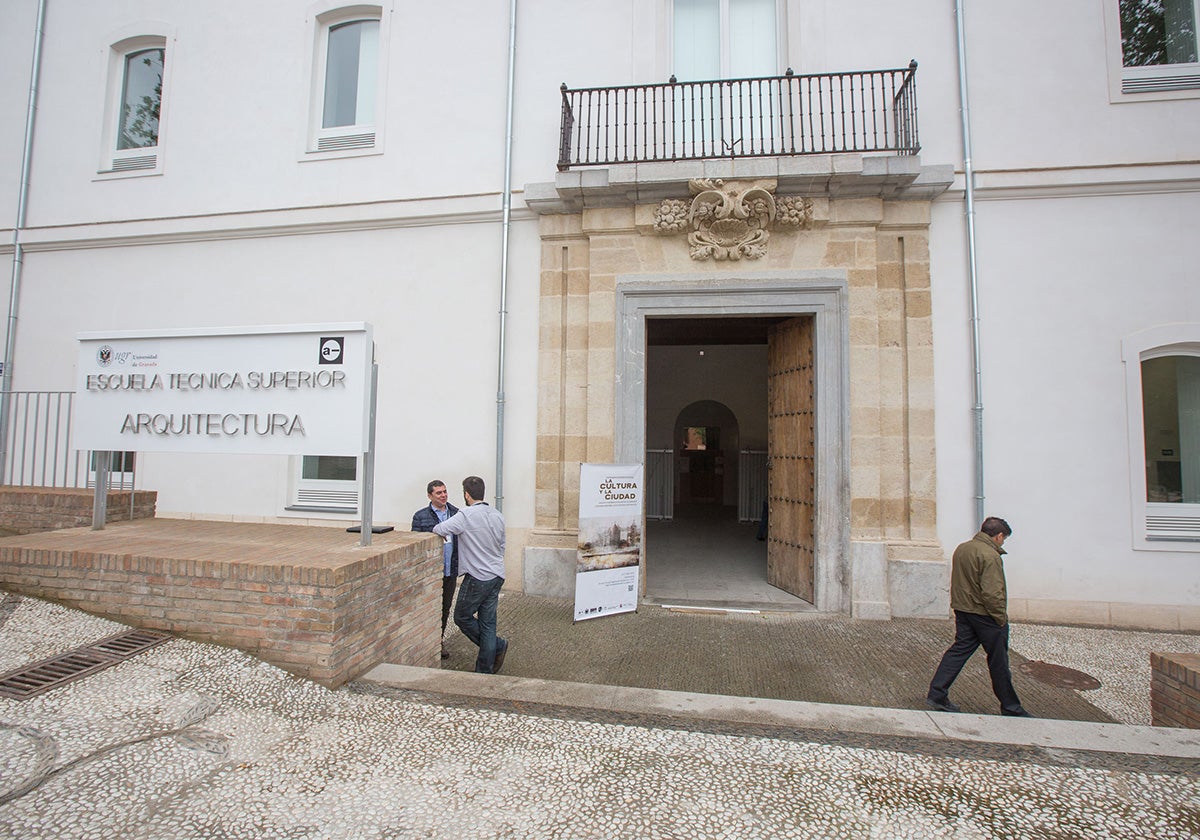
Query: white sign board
(610, 539)
(274, 390)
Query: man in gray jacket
(979, 598)
(479, 529)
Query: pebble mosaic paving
(197, 741)
(1120, 659)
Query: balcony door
(719, 39)
(724, 39)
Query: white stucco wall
(436, 324)
(16, 52)
(1062, 282)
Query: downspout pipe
(506, 231)
(973, 269)
(10, 340)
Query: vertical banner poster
(610, 539)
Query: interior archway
(706, 434)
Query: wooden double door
(791, 457)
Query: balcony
(863, 112)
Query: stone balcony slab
(896, 177)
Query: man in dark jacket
(439, 510)
(979, 598)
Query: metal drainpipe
(10, 340)
(506, 230)
(969, 177)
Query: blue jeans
(475, 615)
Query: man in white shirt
(479, 532)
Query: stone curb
(812, 717)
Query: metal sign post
(100, 501)
(368, 481)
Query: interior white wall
(734, 375)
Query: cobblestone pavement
(198, 741)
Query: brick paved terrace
(308, 599)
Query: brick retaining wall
(308, 599)
(1175, 690)
(29, 510)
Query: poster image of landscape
(609, 543)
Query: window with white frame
(1163, 372)
(137, 78)
(348, 71)
(121, 469)
(725, 39)
(1156, 50)
(326, 484)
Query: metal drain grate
(40, 677)
(1059, 675)
(125, 645)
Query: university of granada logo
(104, 356)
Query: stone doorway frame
(824, 294)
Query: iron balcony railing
(865, 111)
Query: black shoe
(498, 662)
(942, 705)
(1018, 712)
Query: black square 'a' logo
(331, 350)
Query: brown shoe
(498, 662)
(445, 653)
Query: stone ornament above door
(731, 220)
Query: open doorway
(720, 392)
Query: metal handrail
(38, 445)
(867, 111)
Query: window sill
(118, 175)
(352, 141)
(1170, 526)
(342, 511)
(337, 154)
(1148, 84)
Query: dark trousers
(762, 523)
(448, 583)
(972, 631)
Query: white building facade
(229, 164)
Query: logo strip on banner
(608, 559)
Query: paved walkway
(786, 656)
(197, 741)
